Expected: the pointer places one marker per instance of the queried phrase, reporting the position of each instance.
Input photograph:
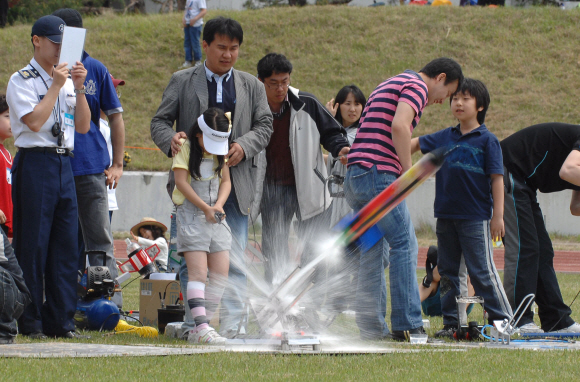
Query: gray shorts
(194, 233)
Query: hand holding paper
(78, 75)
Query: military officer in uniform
(46, 108)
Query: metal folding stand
(503, 330)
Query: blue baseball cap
(50, 27)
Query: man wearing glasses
(301, 124)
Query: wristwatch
(81, 91)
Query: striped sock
(215, 290)
(196, 302)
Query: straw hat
(146, 222)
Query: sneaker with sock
(530, 327)
(574, 328)
(448, 331)
(205, 336)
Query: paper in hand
(71, 48)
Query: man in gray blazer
(216, 84)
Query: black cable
(254, 232)
(118, 314)
(165, 291)
(136, 278)
(105, 320)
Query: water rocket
(362, 227)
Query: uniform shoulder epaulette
(28, 73)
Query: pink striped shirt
(373, 144)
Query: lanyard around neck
(56, 107)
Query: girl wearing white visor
(202, 186)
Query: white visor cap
(215, 142)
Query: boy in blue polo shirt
(468, 204)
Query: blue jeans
(472, 238)
(11, 304)
(174, 261)
(235, 294)
(191, 43)
(361, 186)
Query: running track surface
(564, 261)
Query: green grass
(472, 364)
(528, 58)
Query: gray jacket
(186, 98)
(310, 126)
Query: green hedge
(31, 10)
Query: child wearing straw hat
(148, 232)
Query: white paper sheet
(73, 43)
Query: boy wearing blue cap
(47, 107)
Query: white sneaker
(196, 64)
(207, 336)
(574, 328)
(530, 328)
(185, 65)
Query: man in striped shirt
(381, 152)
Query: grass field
(529, 58)
(474, 364)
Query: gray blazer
(186, 98)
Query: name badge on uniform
(69, 120)
(9, 176)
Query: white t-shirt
(106, 131)
(192, 9)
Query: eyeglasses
(283, 85)
(57, 132)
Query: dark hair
(477, 90)
(71, 17)
(156, 231)
(273, 63)
(222, 26)
(3, 103)
(341, 98)
(445, 65)
(217, 120)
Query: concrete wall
(142, 194)
(555, 206)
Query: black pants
(529, 258)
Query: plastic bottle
(131, 246)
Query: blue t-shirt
(91, 154)
(463, 184)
